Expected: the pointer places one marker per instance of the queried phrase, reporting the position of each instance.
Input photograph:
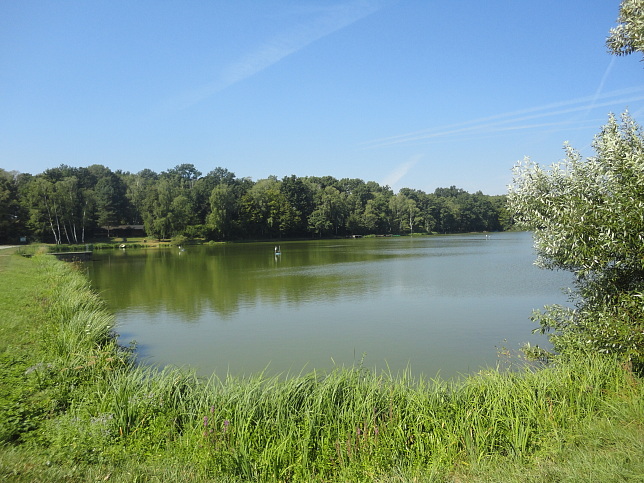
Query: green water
(442, 304)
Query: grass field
(75, 407)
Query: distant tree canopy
(628, 36)
(71, 205)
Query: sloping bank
(74, 407)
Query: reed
(357, 424)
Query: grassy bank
(103, 244)
(73, 407)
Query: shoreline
(72, 399)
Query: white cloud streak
(327, 20)
(602, 82)
(513, 120)
(401, 171)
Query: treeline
(71, 205)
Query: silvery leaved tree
(588, 218)
(628, 36)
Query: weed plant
(77, 406)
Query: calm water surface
(442, 304)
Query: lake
(438, 304)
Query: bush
(179, 240)
(588, 218)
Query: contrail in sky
(600, 88)
(401, 171)
(510, 121)
(328, 19)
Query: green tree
(106, 214)
(203, 190)
(137, 188)
(65, 201)
(358, 194)
(223, 209)
(185, 175)
(10, 213)
(588, 218)
(478, 213)
(169, 205)
(628, 36)
(69, 201)
(503, 217)
(156, 211)
(412, 214)
(107, 195)
(180, 215)
(299, 193)
(38, 196)
(266, 209)
(255, 208)
(448, 215)
(377, 214)
(330, 213)
(398, 209)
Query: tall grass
(346, 425)
(350, 423)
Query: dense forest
(75, 205)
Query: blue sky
(418, 94)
